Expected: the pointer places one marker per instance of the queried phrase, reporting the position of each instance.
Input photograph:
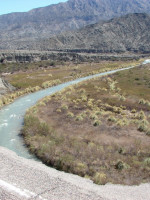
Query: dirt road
(22, 179)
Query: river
(12, 115)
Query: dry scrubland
(98, 129)
(32, 77)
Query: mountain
(55, 19)
(129, 33)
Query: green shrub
(81, 169)
(148, 132)
(133, 111)
(122, 122)
(120, 165)
(70, 114)
(112, 119)
(97, 123)
(100, 178)
(64, 107)
(122, 98)
(147, 162)
(142, 101)
(93, 116)
(143, 125)
(41, 103)
(141, 115)
(58, 110)
(79, 118)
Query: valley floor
(98, 129)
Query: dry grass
(35, 74)
(97, 129)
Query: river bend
(12, 115)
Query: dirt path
(27, 179)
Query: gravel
(23, 179)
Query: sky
(8, 6)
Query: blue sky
(8, 6)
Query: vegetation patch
(32, 77)
(98, 129)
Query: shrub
(122, 98)
(90, 104)
(43, 129)
(93, 116)
(58, 110)
(70, 114)
(141, 115)
(50, 75)
(82, 90)
(133, 111)
(83, 114)
(64, 107)
(147, 162)
(84, 98)
(100, 178)
(1, 103)
(81, 168)
(96, 123)
(122, 122)
(143, 125)
(147, 103)
(79, 118)
(142, 128)
(142, 101)
(117, 110)
(33, 109)
(41, 103)
(123, 107)
(112, 119)
(120, 165)
(148, 132)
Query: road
(25, 179)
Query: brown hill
(55, 19)
(130, 33)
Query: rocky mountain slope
(130, 33)
(55, 19)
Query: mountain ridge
(126, 33)
(129, 33)
(45, 22)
